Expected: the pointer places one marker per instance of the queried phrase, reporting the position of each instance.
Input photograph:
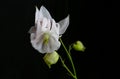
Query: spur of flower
(45, 34)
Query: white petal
(44, 22)
(32, 36)
(41, 26)
(63, 25)
(53, 45)
(55, 27)
(47, 48)
(37, 15)
(38, 43)
(32, 29)
(45, 13)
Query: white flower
(46, 32)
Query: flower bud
(51, 58)
(78, 46)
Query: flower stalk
(65, 66)
(70, 58)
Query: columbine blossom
(46, 32)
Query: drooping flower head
(46, 32)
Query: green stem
(70, 48)
(70, 58)
(64, 65)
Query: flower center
(46, 38)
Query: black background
(90, 22)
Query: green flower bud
(51, 58)
(78, 46)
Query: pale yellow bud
(78, 46)
(51, 58)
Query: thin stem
(64, 65)
(70, 48)
(70, 58)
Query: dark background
(90, 22)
